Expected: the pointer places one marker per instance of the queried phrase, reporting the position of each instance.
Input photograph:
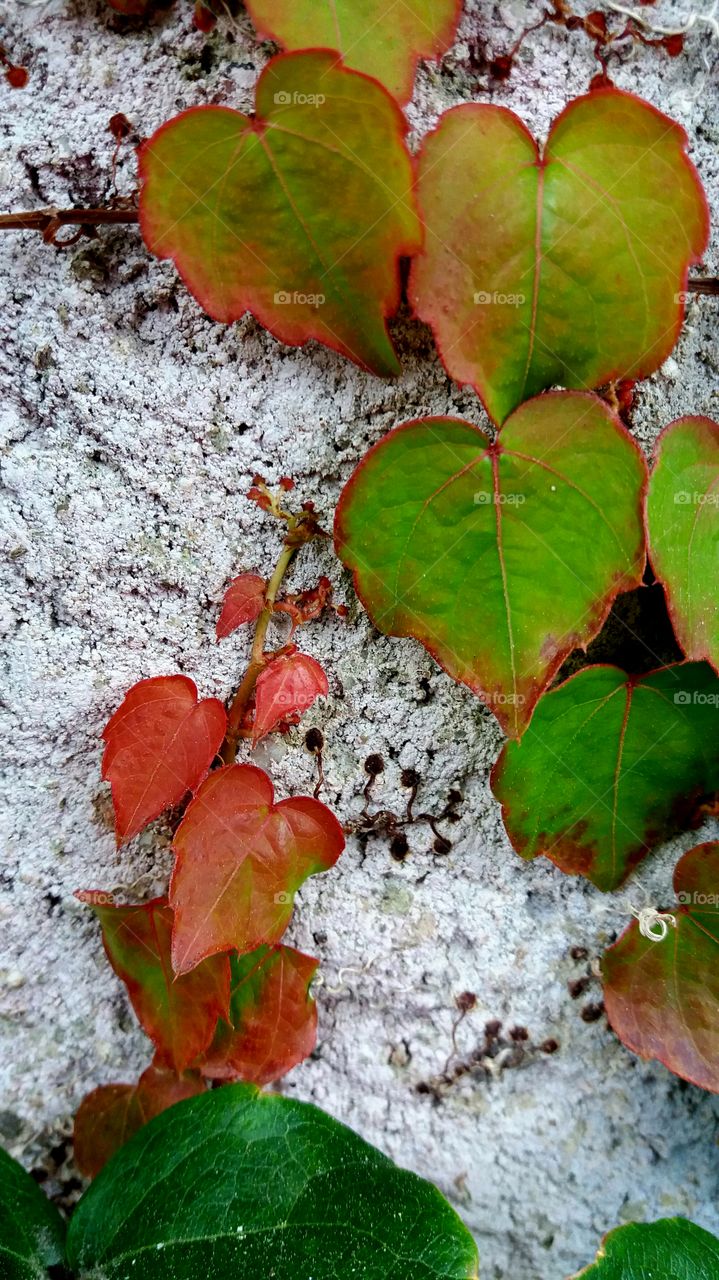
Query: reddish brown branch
(49, 221)
(40, 219)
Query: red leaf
(179, 1014)
(306, 605)
(119, 127)
(243, 602)
(17, 77)
(661, 993)
(204, 19)
(287, 685)
(273, 1018)
(595, 25)
(107, 1118)
(160, 744)
(240, 859)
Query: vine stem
(301, 529)
(49, 221)
(241, 700)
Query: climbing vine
(502, 551)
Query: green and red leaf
(287, 686)
(108, 1117)
(683, 531)
(611, 765)
(240, 858)
(499, 557)
(273, 1018)
(562, 268)
(383, 40)
(243, 602)
(179, 1014)
(662, 995)
(159, 745)
(241, 205)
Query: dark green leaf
(610, 765)
(241, 1185)
(672, 1249)
(31, 1229)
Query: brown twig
(301, 528)
(49, 221)
(39, 219)
(708, 286)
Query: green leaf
(248, 1185)
(671, 1249)
(611, 765)
(385, 41)
(299, 214)
(662, 995)
(566, 269)
(501, 558)
(683, 531)
(31, 1230)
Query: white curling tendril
(653, 924)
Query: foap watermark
(284, 298)
(488, 498)
(496, 299)
(695, 698)
(285, 99)
(695, 499)
(101, 898)
(498, 699)
(697, 899)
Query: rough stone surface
(130, 427)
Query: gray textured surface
(130, 426)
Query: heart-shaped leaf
(501, 558)
(683, 531)
(287, 686)
(243, 602)
(107, 1118)
(610, 765)
(160, 744)
(662, 995)
(179, 1014)
(273, 1018)
(385, 41)
(32, 1233)
(240, 860)
(299, 214)
(562, 269)
(672, 1247)
(247, 1185)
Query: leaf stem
(301, 528)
